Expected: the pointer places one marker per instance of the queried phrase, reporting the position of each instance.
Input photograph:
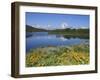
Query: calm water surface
(43, 39)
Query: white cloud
(64, 25)
(48, 26)
(83, 27)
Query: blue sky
(57, 21)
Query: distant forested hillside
(33, 29)
(67, 31)
(70, 31)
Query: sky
(56, 21)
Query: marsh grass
(57, 56)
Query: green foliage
(55, 56)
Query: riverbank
(56, 56)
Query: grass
(57, 56)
